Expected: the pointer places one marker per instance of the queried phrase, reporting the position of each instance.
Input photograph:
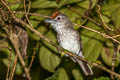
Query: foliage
(48, 63)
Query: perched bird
(68, 38)
(23, 39)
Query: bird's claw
(60, 51)
(59, 48)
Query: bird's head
(59, 21)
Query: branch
(105, 26)
(13, 68)
(101, 33)
(33, 14)
(9, 62)
(86, 17)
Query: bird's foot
(74, 59)
(60, 51)
(59, 48)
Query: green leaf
(5, 52)
(42, 12)
(66, 2)
(44, 4)
(2, 71)
(92, 42)
(34, 23)
(73, 1)
(10, 1)
(60, 74)
(4, 46)
(6, 62)
(77, 75)
(85, 4)
(33, 35)
(48, 58)
(61, 3)
(42, 29)
(74, 17)
(106, 19)
(107, 54)
(116, 17)
(113, 11)
(92, 49)
(17, 6)
(18, 69)
(102, 78)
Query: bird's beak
(49, 20)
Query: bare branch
(101, 33)
(13, 68)
(98, 11)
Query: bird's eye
(58, 18)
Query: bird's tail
(85, 68)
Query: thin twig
(88, 11)
(24, 6)
(98, 11)
(9, 62)
(114, 57)
(33, 57)
(33, 14)
(26, 13)
(86, 17)
(17, 1)
(116, 36)
(13, 68)
(101, 33)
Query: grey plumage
(69, 39)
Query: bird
(22, 39)
(68, 38)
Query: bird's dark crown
(61, 18)
(59, 21)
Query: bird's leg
(60, 51)
(74, 59)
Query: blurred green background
(48, 63)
